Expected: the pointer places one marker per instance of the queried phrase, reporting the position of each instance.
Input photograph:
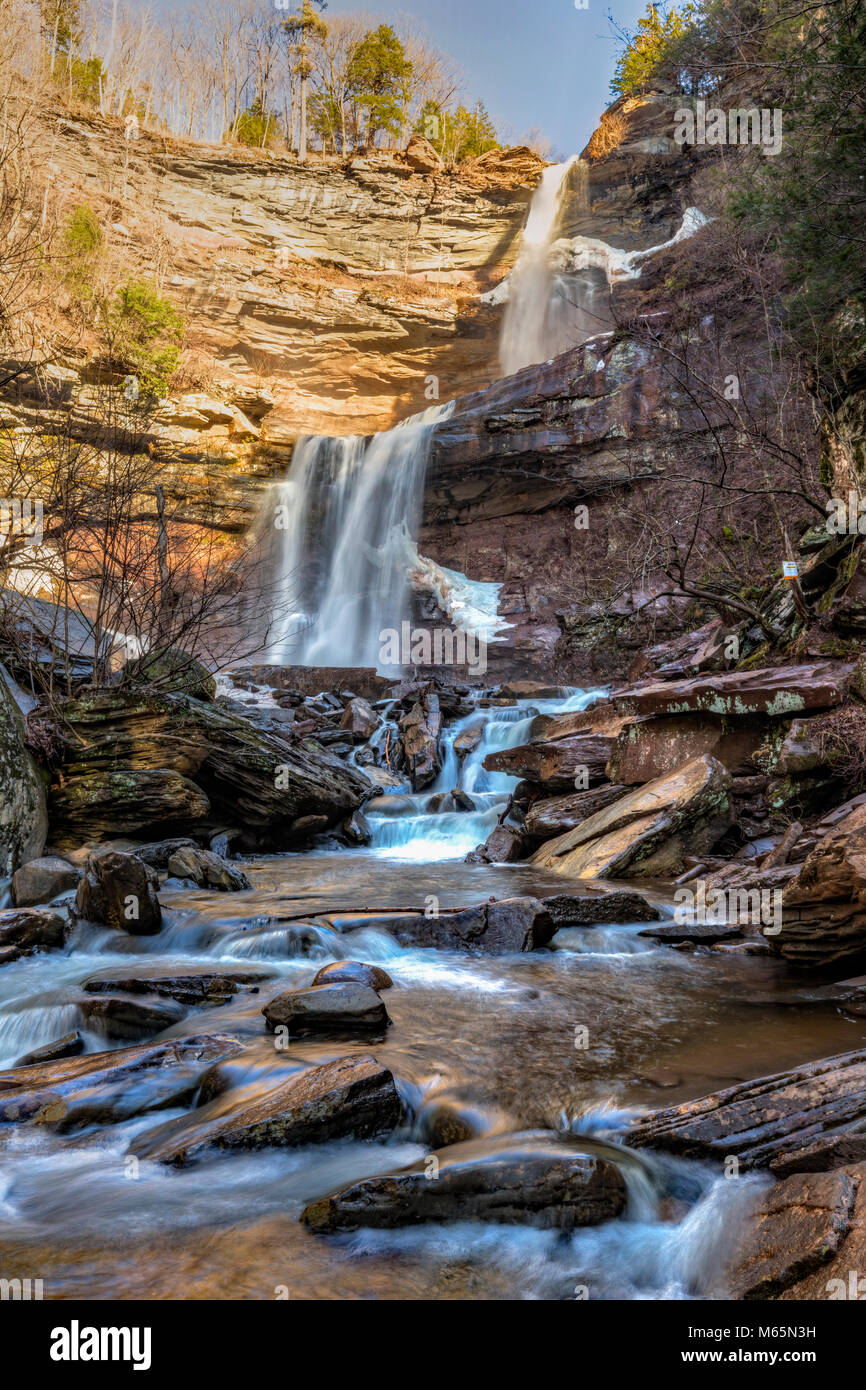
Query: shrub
(82, 241)
(146, 333)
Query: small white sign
(789, 569)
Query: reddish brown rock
(772, 690)
(554, 763)
(650, 748)
(798, 1229)
(824, 906)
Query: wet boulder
(110, 1087)
(42, 880)
(801, 1228)
(772, 1121)
(531, 1180)
(121, 1016)
(207, 870)
(495, 928)
(504, 845)
(194, 984)
(419, 740)
(593, 909)
(335, 1006)
(649, 831)
(341, 971)
(352, 1097)
(555, 763)
(70, 1045)
(28, 929)
(357, 829)
(119, 890)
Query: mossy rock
(171, 672)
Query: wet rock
(554, 815)
(207, 870)
(119, 890)
(648, 831)
(101, 805)
(341, 971)
(467, 742)
(497, 928)
(824, 906)
(357, 829)
(504, 845)
(798, 1228)
(554, 763)
(28, 929)
(109, 1087)
(518, 1180)
(331, 1007)
(590, 909)
(775, 690)
(462, 800)
(120, 1016)
(42, 880)
(419, 740)
(360, 719)
(70, 1045)
(157, 854)
(23, 818)
(305, 827)
(702, 933)
(192, 985)
(352, 1097)
(764, 1121)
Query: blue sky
(534, 63)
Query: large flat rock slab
(629, 836)
(108, 1087)
(768, 1122)
(517, 1179)
(800, 1227)
(772, 690)
(352, 1097)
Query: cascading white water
(406, 829)
(533, 328)
(344, 523)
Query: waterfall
(413, 827)
(537, 320)
(342, 528)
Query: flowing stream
(490, 1039)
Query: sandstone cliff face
(345, 286)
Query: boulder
(171, 671)
(800, 1226)
(650, 748)
(360, 720)
(207, 870)
(554, 815)
(188, 985)
(824, 906)
(23, 817)
(495, 928)
(504, 845)
(42, 880)
(357, 829)
(335, 1006)
(531, 1180)
(645, 832)
(340, 971)
(593, 909)
(764, 1122)
(352, 1097)
(554, 763)
(419, 740)
(120, 1016)
(28, 929)
(423, 157)
(70, 1045)
(110, 1087)
(772, 690)
(262, 778)
(100, 805)
(467, 742)
(119, 891)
